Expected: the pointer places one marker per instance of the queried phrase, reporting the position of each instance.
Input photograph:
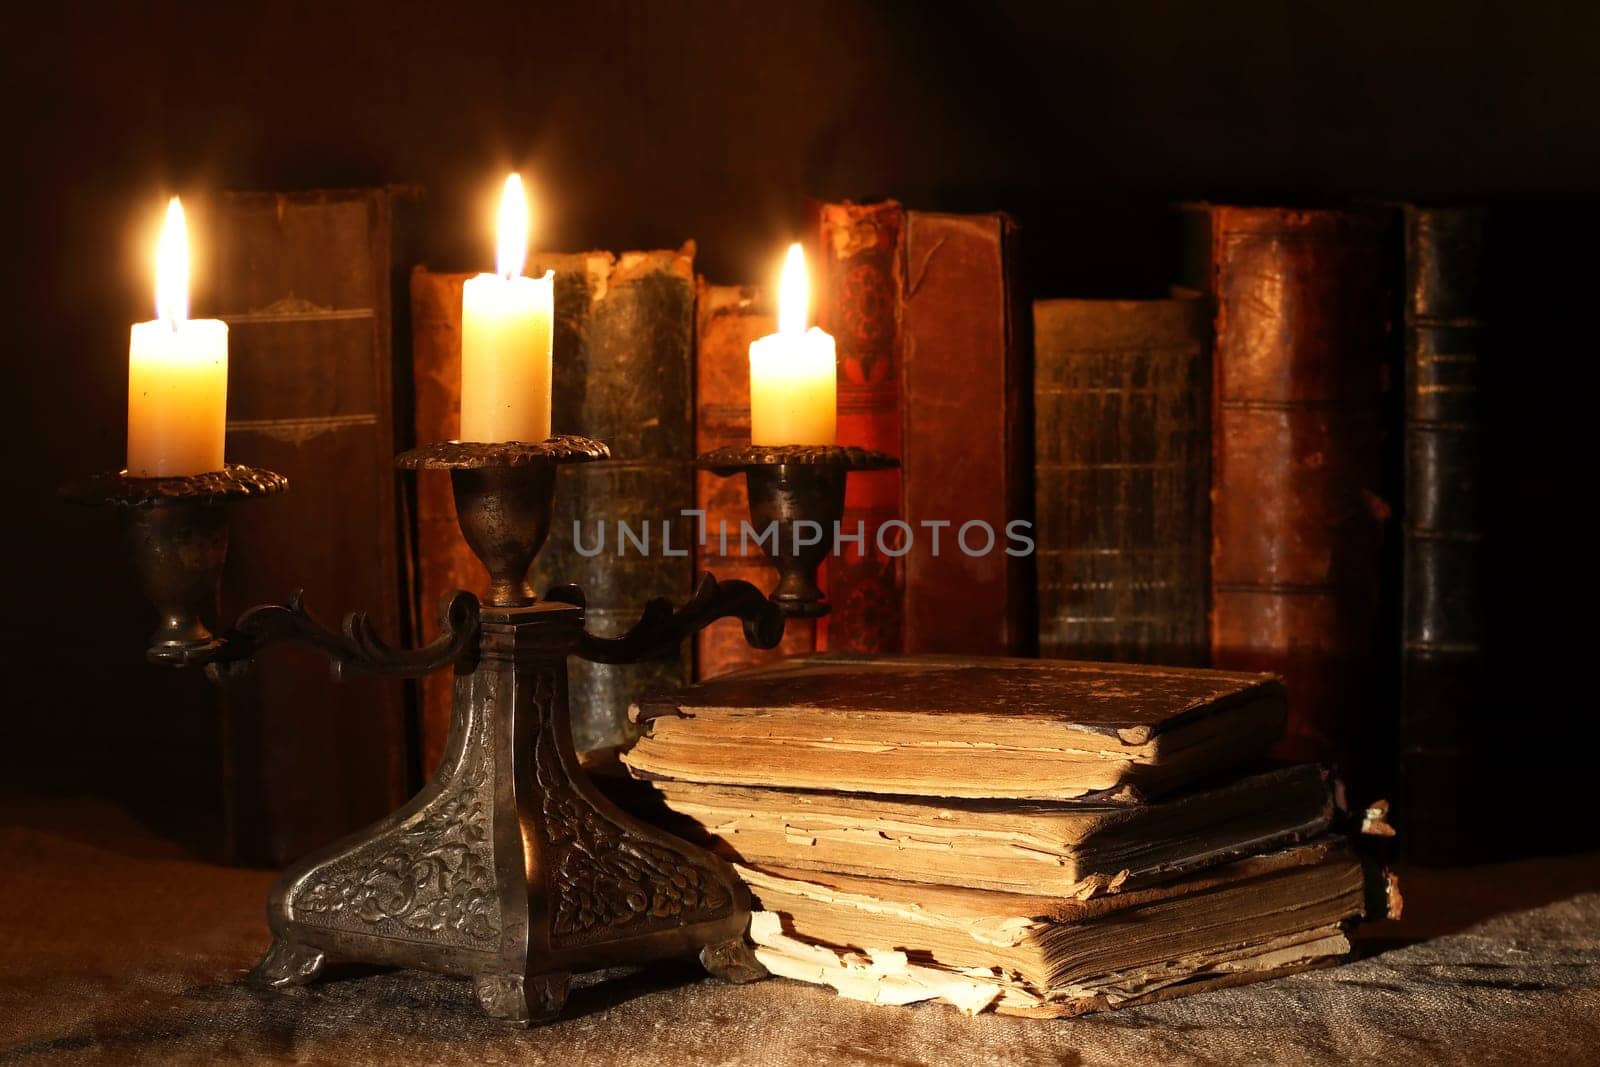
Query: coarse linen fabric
(116, 947)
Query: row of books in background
(1225, 476)
(1206, 473)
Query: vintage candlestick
(790, 485)
(509, 867)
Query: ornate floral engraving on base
(432, 879)
(604, 880)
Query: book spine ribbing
(1443, 670)
(1123, 470)
(1297, 510)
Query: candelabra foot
(287, 964)
(522, 1000)
(733, 961)
(510, 867)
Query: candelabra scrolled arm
(662, 628)
(356, 646)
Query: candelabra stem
(178, 551)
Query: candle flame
(794, 292)
(513, 229)
(172, 266)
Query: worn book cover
(307, 284)
(859, 304)
(1298, 512)
(966, 454)
(951, 726)
(1032, 954)
(727, 319)
(1123, 439)
(1443, 681)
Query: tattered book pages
(898, 942)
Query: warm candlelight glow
(506, 337)
(177, 373)
(512, 231)
(172, 267)
(794, 292)
(794, 372)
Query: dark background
(642, 124)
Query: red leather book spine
(1297, 520)
(967, 452)
(859, 306)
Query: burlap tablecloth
(117, 948)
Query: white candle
(794, 381)
(177, 373)
(505, 339)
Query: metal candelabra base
(510, 868)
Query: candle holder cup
(177, 533)
(796, 495)
(509, 867)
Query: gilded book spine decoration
(1123, 473)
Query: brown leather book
(1302, 320)
(956, 726)
(307, 284)
(727, 319)
(443, 560)
(622, 348)
(966, 452)
(859, 275)
(1123, 439)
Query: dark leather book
(624, 336)
(858, 272)
(960, 726)
(307, 283)
(1443, 669)
(1122, 440)
(1299, 372)
(631, 385)
(727, 319)
(966, 452)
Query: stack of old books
(1033, 837)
